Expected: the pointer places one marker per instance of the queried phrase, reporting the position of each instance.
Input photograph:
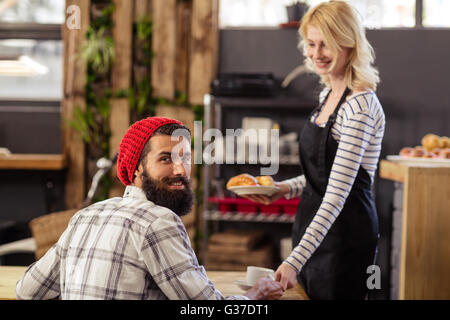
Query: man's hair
(167, 130)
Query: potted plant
(296, 10)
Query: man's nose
(179, 168)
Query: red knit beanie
(132, 144)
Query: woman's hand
(284, 189)
(265, 289)
(286, 275)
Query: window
(31, 50)
(436, 13)
(239, 13)
(31, 69)
(386, 13)
(374, 13)
(32, 11)
(383, 13)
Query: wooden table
(425, 229)
(223, 280)
(8, 280)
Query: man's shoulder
(147, 214)
(133, 212)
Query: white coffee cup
(256, 273)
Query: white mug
(256, 273)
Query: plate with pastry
(245, 184)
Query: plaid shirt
(120, 248)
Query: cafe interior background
(75, 74)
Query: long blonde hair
(341, 28)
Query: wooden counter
(425, 233)
(32, 162)
(223, 280)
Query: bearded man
(135, 246)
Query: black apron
(338, 267)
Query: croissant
(431, 141)
(243, 179)
(265, 180)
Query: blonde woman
(335, 233)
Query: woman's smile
(322, 64)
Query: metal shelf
(277, 107)
(214, 215)
(280, 102)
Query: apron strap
(324, 137)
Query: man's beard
(179, 201)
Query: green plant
(98, 51)
(140, 95)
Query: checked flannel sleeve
(41, 281)
(172, 263)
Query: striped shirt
(359, 131)
(120, 248)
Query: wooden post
(74, 96)
(184, 9)
(181, 113)
(141, 9)
(204, 49)
(164, 47)
(121, 80)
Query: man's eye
(165, 159)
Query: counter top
(398, 170)
(223, 280)
(32, 162)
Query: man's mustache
(167, 180)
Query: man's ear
(137, 177)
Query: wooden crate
(237, 249)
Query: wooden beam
(119, 122)
(74, 96)
(204, 49)
(141, 9)
(164, 47)
(121, 70)
(181, 113)
(184, 9)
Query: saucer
(243, 284)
